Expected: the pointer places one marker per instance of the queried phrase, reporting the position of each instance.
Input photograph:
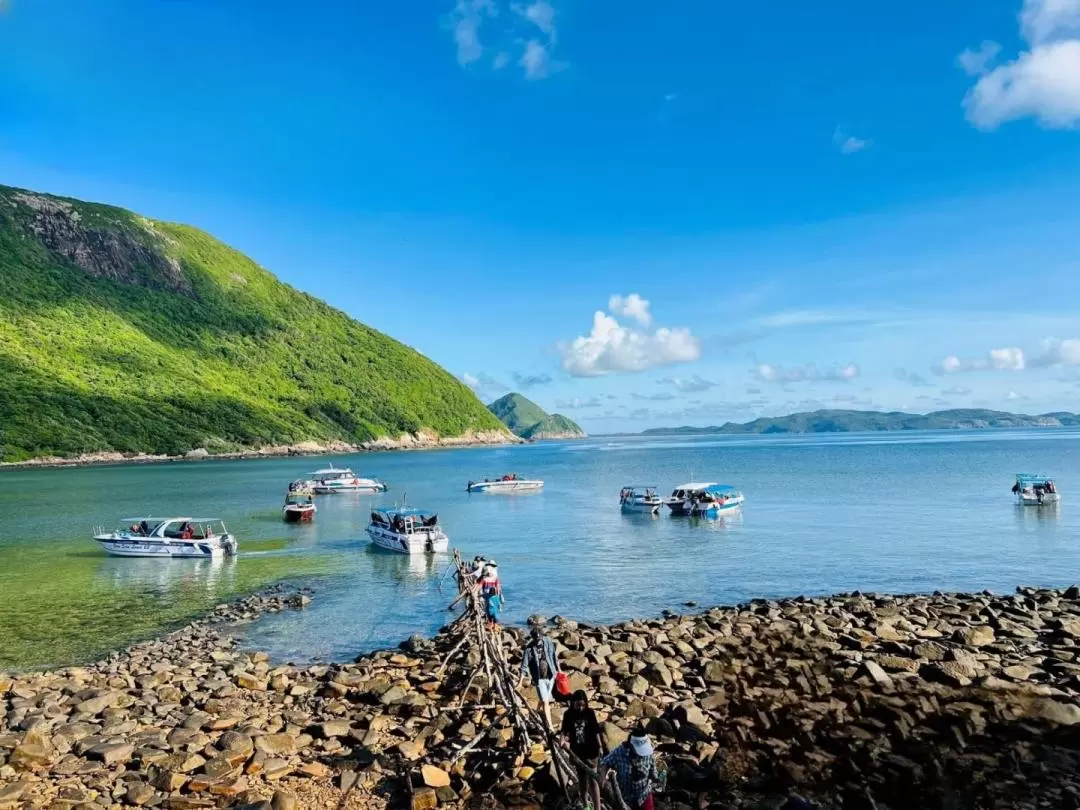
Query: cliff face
(119, 334)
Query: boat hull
(298, 514)
(120, 546)
(686, 509)
(642, 508)
(505, 486)
(418, 542)
(1048, 499)
(362, 489)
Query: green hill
(120, 333)
(834, 421)
(529, 421)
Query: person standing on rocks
(581, 734)
(635, 770)
(540, 662)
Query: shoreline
(423, 440)
(906, 699)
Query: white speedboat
(407, 531)
(168, 537)
(1035, 490)
(508, 483)
(298, 509)
(704, 500)
(641, 499)
(333, 480)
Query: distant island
(838, 421)
(529, 421)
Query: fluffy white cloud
(849, 144)
(484, 385)
(767, 372)
(542, 15)
(465, 20)
(470, 16)
(631, 306)
(611, 348)
(1054, 352)
(974, 63)
(1043, 82)
(1007, 359)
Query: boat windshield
(331, 475)
(404, 521)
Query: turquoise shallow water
(897, 512)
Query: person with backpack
(635, 770)
(541, 664)
(581, 734)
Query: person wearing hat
(634, 769)
(581, 734)
(539, 661)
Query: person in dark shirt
(581, 734)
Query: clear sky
(636, 213)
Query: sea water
(888, 512)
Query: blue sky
(639, 214)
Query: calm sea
(894, 512)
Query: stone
(1071, 629)
(715, 672)
(395, 694)
(930, 651)
(1054, 711)
(435, 777)
(875, 671)
(314, 770)
(170, 781)
(332, 728)
(949, 672)
(276, 768)
(896, 663)
(139, 793)
(112, 753)
(636, 685)
(275, 744)
(424, 798)
(246, 680)
(283, 800)
(410, 750)
(974, 636)
(10, 793)
(1019, 672)
(612, 735)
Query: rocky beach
(853, 701)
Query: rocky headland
(853, 701)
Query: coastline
(422, 440)
(915, 701)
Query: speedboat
(333, 480)
(508, 483)
(302, 487)
(168, 537)
(407, 531)
(1035, 490)
(298, 508)
(640, 499)
(704, 499)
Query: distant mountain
(529, 421)
(831, 421)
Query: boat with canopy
(1035, 490)
(704, 499)
(168, 537)
(640, 499)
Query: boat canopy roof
(640, 486)
(169, 519)
(1032, 478)
(410, 512)
(707, 487)
(329, 470)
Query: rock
(1019, 672)
(896, 663)
(612, 735)
(112, 753)
(275, 744)
(1062, 714)
(930, 651)
(314, 770)
(331, 729)
(139, 793)
(951, 673)
(246, 680)
(424, 799)
(435, 777)
(283, 800)
(31, 756)
(276, 768)
(974, 636)
(877, 673)
(536, 620)
(1071, 629)
(1073, 592)
(394, 694)
(715, 672)
(197, 453)
(10, 793)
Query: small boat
(704, 500)
(407, 531)
(508, 483)
(333, 480)
(298, 508)
(640, 499)
(1035, 490)
(168, 537)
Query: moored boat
(704, 499)
(511, 482)
(298, 508)
(641, 499)
(407, 531)
(168, 537)
(332, 480)
(1035, 490)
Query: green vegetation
(831, 421)
(529, 421)
(125, 334)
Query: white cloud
(767, 372)
(663, 396)
(1012, 396)
(692, 384)
(536, 60)
(470, 380)
(975, 63)
(484, 385)
(611, 348)
(542, 15)
(910, 377)
(466, 18)
(1043, 82)
(849, 144)
(630, 306)
(1007, 359)
(577, 404)
(1054, 352)
(525, 381)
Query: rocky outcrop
(133, 255)
(859, 700)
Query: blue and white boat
(1035, 490)
(168, 537)
(511, 482)
(699, 499)
(407, 531)
(332, 480)
(640, 499)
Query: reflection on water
(162, 576)
(1047, 513)
(405, 567)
